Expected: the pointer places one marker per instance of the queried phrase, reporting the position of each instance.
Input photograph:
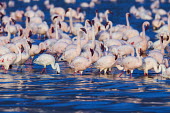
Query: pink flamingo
(47, 59)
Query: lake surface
(30, 91)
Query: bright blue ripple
(150, 94)
(12, 99)
(45, 101)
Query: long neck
(78, 48)
(56, 30)
(139, 57)
(71, 21)
(56, 66)
(106, 16)
(162, 48)
(143, 32)
(8, 30)
(18, 55)
(62, 18)
(169, 22)
(110, 31)
(127, 21)
(93, 37)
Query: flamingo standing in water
(150, 63)
(47, 59)
(70, 54)
(81, 63)
(10, 58)
(130, 63)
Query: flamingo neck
(127, 21)
(8, 30)
(56, 66)
(19, 55)
(139, 57)
(106, 16)
(162, 47)
(78, 48)
(62, 18)
(169, 22)
(110, 31)
(143, 32)
(71, 21)
(56, 30)
(93, 38)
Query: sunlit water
(29, 91)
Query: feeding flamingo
(47, 59)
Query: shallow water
(29, 91)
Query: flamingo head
(83, 29)
(162, 38)
(92, 52)
(29, 43)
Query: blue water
(30, 91)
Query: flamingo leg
(43, 70)
(5, 70)
(130, 75)
(121, 73)
(145, 74)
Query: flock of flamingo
(84, 43)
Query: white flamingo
(10, 58)
(150, 63)
(81, 63)
(47, 59)
(130, 63)
(70, 54)
(105, 62)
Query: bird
(150, 63)
(47, 59)
(105, 62)
(70, 54)
(10, 58)
(80, 63)
(130, 63)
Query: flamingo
(137, 39)
(42, 29)
(70, 54)
(159, 54)
(73, 27)
(47, 59)
(144, 43)
(165, 27)
(81, 63)
(130, 63)
(105, 62)
(156, 23)
(10, 58)
(24, 55)
(125, 50)
(150, 63)
(36, 49)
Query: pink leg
(130, 75)
(121, 73)
(43, 70)
(145, 74)
(5, 71)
